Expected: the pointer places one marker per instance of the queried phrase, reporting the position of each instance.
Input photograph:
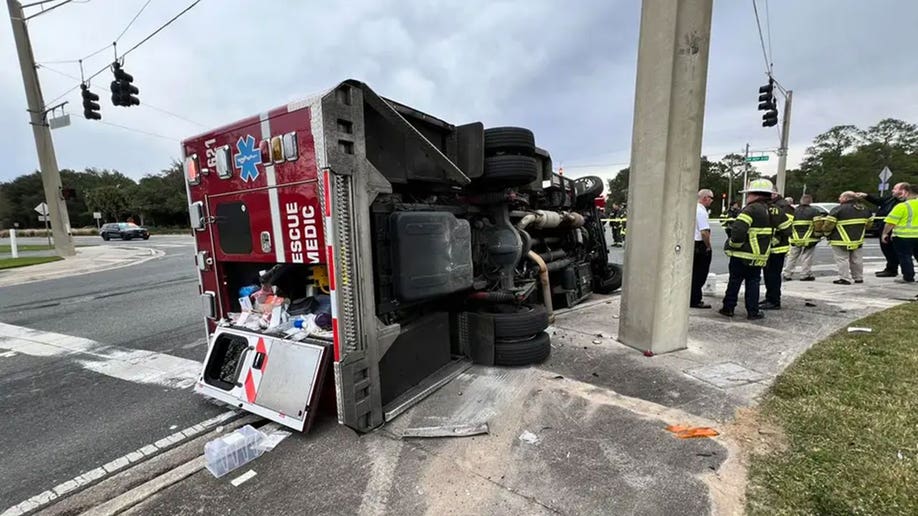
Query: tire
(509, 170)
(106, 237)
(509, 139)
(588, 187)
(513, 322)
(146, 237)
(612, 281)
(522, 352)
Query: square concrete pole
(665, 159)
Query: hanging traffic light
(90, 104)
(768, 104)
(123, 90)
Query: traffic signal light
(768, 104)
(123, 90)
(90, 104)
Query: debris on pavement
(243, 477)
(692, 432)
(465, 430)
(273, 439)
(648, 353)
(809, 304)
(529, 437)
(232, 451)
(856, 329)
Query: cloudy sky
(564, 68)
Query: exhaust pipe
(546, 287)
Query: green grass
(9, 263)
(849, 409)
(7, 249)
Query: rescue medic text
(302, 233)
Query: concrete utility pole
(782, 151)
(665, 166)
(50, 175)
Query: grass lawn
(6, 249)
(9, 263)
(849, 409)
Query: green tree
(110, 200)
(618, 187)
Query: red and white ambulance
(412, 246)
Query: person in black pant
(747, 247)
(701, 263)
(782, 217)
(884, 206)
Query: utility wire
(132, 21)
(144, 40)
(144, 104)
(140, 131)
(48, 10)
(771, 55)
(761, 37)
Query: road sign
(42, 209)
(885, 175)
(763, 157)
(44, 218)
(97, 215)
(883, 187)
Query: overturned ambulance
(353, 241)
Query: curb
(153, 254)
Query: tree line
(155, 200)
(843, 158)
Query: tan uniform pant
(850, 263)
(803, 255)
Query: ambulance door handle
(239, 365)
(259, 361)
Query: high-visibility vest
(906, 225)
(850, 221)
(803, 228)
(757, 245)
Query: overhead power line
(135, 47)
(139, 131)
(132, 21)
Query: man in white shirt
(702, 259)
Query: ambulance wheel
(521, 352)
(513, 322)
(510, 140)
(588, 187)
(612, 280)
(509, 170)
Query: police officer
(748, 246)
(802, 241)
(849, 224)
(782, 217)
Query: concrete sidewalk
(584, 433)
(87, 260)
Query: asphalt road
(61, 416)
(64, 415)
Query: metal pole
(745, 172)
(47, 230)
(50, 175)
(782, 151)
(672, 72)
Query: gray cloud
(564, 69)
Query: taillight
(290, 147)
(264, 147)
(192, 169)
(224, 162)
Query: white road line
(118, 464)
(133, 365)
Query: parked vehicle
(123, 230)
(433, 246)
(824, 207)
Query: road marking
(133, 365)
(116, 465)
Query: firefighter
(732, 212)
(782, 217)
(615, 212)
(848, 224)
(802, 241)
(748, 246)
(902, 222)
